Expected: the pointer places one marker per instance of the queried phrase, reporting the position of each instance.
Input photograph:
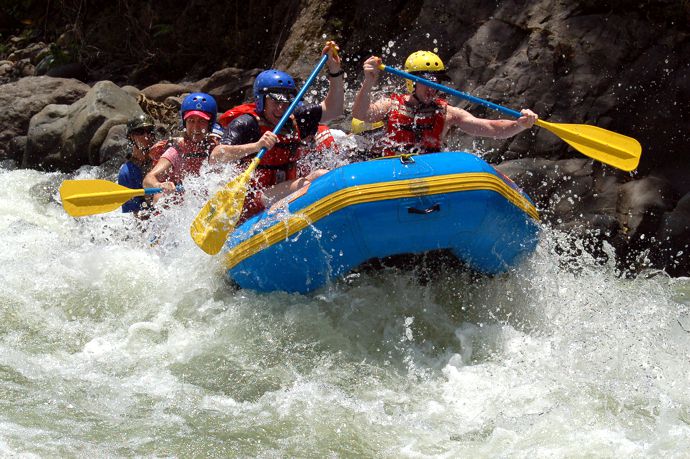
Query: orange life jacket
(418, 127)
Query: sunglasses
(281, 97)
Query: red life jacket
(279, 163)
(414, 127)
(194, 155)
(323, 140)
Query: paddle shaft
(454, 92)
(124, 195)
(147, 191)
(295, 102)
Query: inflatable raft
(380, 208)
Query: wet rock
(24, 98)
(34, 52)
(131, 90)
(45, 134)
(674, 234)
(114, 149)
(83, 127)
(17, 41)
(24, 68)
(8, 165)
(6, 70)
(74, 70)
(175, 102)
(538, 177)
(17, 146)
(641, 203)
(305, 40)
(676, 224)
(603, 199)
(161, 91)
(566, 203)
(229, 86)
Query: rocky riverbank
(619, 65)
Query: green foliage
(160, 30)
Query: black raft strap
(428, 210)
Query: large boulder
(83, 127)
(641, 204)
(24, 98)
(34, 52)
(674, 234)
(114, 149)
(45, 135)
(160, 91)
(229, 86)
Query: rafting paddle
(609, 147)
(89, 197)
(217, 218)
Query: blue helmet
(274, 82)
(199, 102)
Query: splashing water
(109, 346)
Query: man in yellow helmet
(419, 121)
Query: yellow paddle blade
(609, 147)
(88, 197)
(217, 218)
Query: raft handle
(428, 210)
(406, 159)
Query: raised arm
(333, 105)
(362, 108)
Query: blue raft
(376, 209)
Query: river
(110, 346)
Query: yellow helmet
(359, 126)
(422, 62)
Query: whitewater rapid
(112, 346)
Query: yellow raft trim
(374, 192)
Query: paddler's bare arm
(333, 105)
(232, 153)
(497, 129)
(152, 179)
(363, 109)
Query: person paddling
(182, 156)
(141, 137)
(418, 122)
(249, 128)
